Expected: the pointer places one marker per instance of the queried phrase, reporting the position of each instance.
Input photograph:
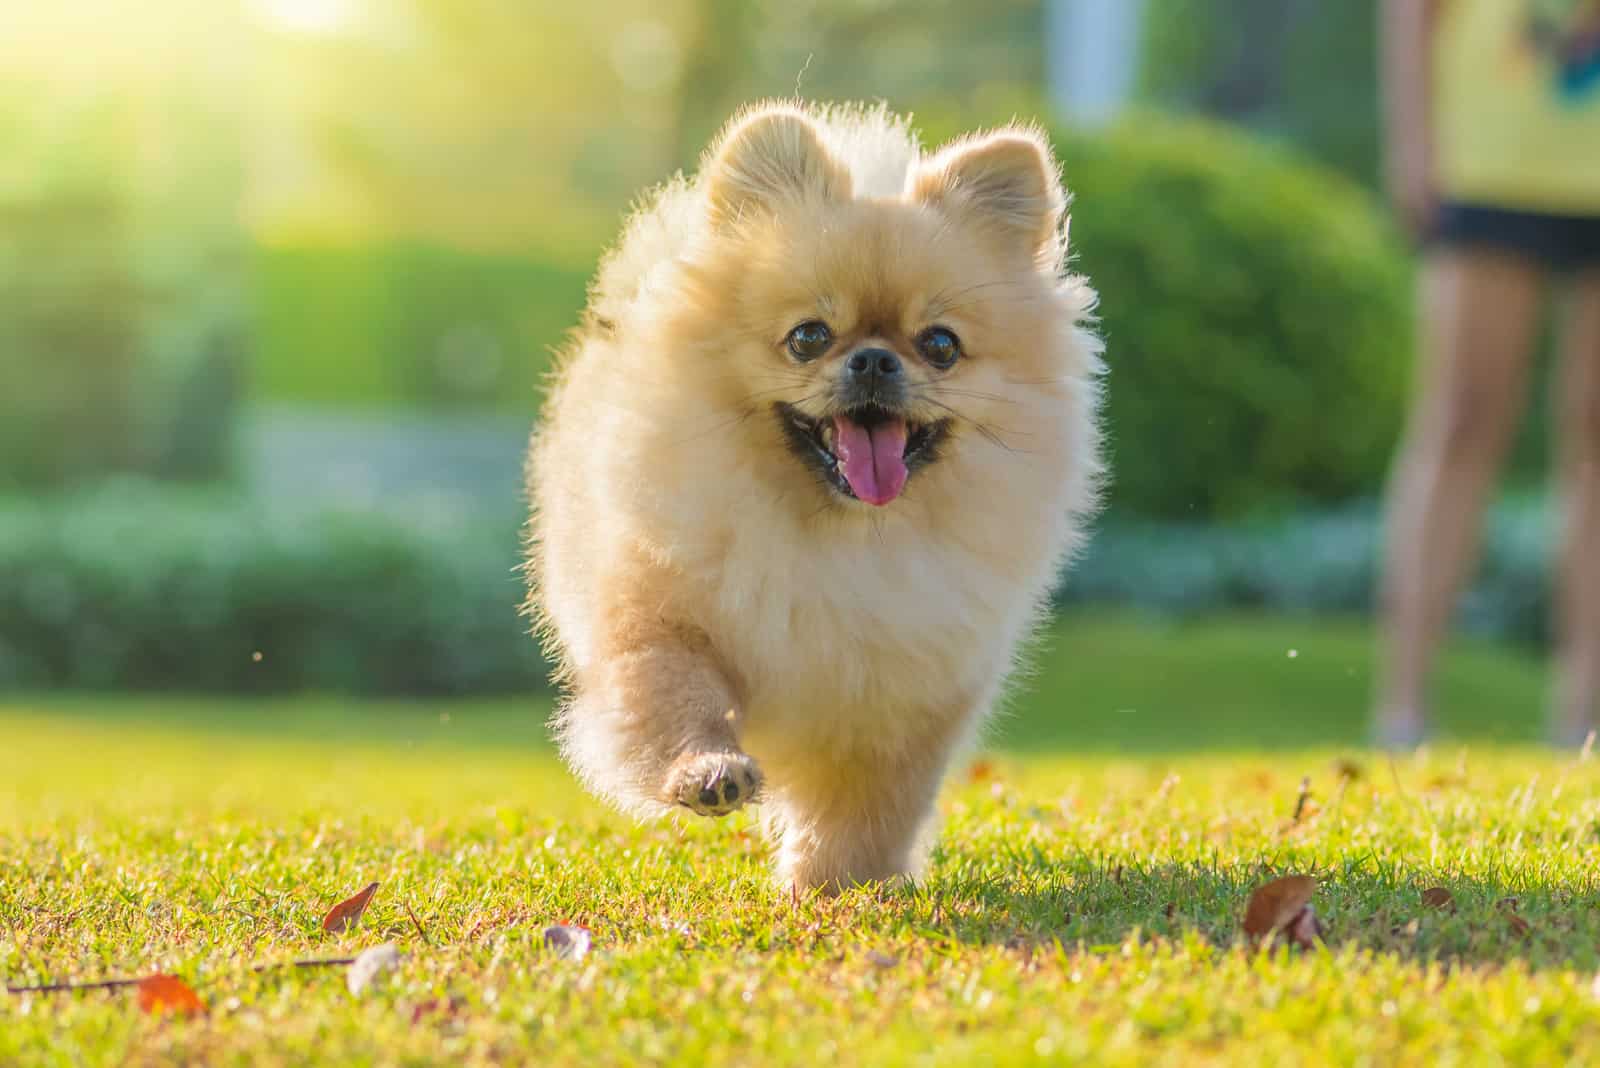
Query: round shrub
(1256, 314)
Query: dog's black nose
(870, 365)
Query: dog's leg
(858, 820)
(656, 722)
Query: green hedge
(137, 587)
(1318, 563)
(1257, 320)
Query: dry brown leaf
(1519, 926)
(981, 770)
(568, 941)
(160, 994)
(347, 913)
(1276, 904)
(1437, 897)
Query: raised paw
(712, 784)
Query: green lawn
(1083, 905)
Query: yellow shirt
(1517, 104)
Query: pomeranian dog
(806, 475)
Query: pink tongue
(873, 458)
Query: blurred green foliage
(134, 586)
(123, 329)
(1256, 314)
(410, 323)
(69, 338)
(1303, 73)
(1313, 562)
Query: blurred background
(279, 281)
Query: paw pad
(713, 784)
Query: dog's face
(874, 338)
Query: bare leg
(1479, 312)
(1577, 579)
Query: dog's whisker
(988, 432)
(952, 391)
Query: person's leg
(1479, 312)
(1577, 578)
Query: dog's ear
(1007, 179)
(768, 156)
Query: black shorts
(1560, 242)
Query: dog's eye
(809, 340)
(939, 346)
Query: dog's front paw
(712, 784)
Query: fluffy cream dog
(807, 475)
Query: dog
(806, 474)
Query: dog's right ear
(769, 156)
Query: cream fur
(708, 600)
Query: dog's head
(876, 333)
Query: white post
(1093, 56)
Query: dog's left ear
(1007, 179)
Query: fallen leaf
(1170, 909)
(568, 941)
(369, 964)
(347, 913)
(1276, 904)
(1304, 930)
(1437, 897)
(1519, 926)
(167, 993)
(980, 770)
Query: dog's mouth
(865, 453)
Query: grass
(1083, 903)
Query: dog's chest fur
(849, 640)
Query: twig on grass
(109, 984)
(425, 939)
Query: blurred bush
(121, 313)
(135, 586)
(1256, 314)
(1315, 563)
(68, 341)
(1302, 73)
(410, 323)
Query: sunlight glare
(307, 16)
